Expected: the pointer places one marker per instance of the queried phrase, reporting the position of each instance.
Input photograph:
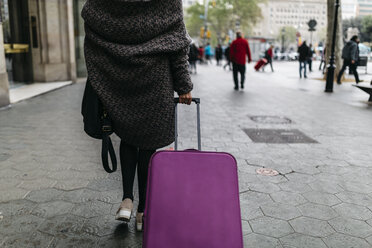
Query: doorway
(16, 29)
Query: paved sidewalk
(54, 192)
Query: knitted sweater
(136, 57)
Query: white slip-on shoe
(125, 210)
(139, 222)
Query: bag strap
(107, 147)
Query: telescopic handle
(176, 102)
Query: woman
(136, 56)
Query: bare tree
(339, 39)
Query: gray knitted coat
(136, 57)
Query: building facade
(292, 13)
(349, 8)
(37, 43)
(364, 8)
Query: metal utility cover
(278, 136)
(267, 119)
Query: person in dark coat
(136, 57)
(218, 53)
(350, 55)
(310, 57)
(193, 57)
(303, 53)
(269, 57)
(239, 50)
(227, 56)
(323, 60)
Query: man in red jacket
(239, 49)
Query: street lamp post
(206, 5)
(283, 32)
(332, 58)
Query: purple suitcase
(192, 199)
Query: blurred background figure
(350, 55)
(201, 54)
(269, 57)
(239, 50)
(208, 53)
(323, 60)
(218, 53)
(193, 57)
(303, 53)
(227, 56)
(310, 57)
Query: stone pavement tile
(51, 209)
(263, 187)
(329, 177)
(249, 213)
(357, 187)
(355, 198)
(317, 211)
(77, 175)
(369, 222)
(9, 183)
(254, 199)
(273, 179)
(321, 198)
(81, 241)
(18, 207)
(91, 209)
(41, 183)
(356, 228)
(20, 224)
(312, 227)
(338, 240)
(102, 225)
(35, 240)
(288, 198)
(105, 185)
(71, 184)
(335, 169)
(302, 241)
(280, 211)
(326, 187)
(369, 240)
(62, 226)
(246, 227)
(31, 175)
(295, 187)
(43, 195)
(353, 211)
(12, 194)
(79, 196)
(9, 173)
(254, 240)
(271, 227)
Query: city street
(55, 193)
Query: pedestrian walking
(310, 57)
(303, 53)
(193, 57)
(227, 56)
(323, 60)
(201, 55)
(218, 53)
(135, 75)
(350, 55)
(269, 57)
(208, 53)
(239, 50)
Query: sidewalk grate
(267, 119)
(278, 136)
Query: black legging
(130, 156)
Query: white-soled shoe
(139, 222)
(125, 210)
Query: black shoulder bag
(97, 124)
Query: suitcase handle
(176, 102)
